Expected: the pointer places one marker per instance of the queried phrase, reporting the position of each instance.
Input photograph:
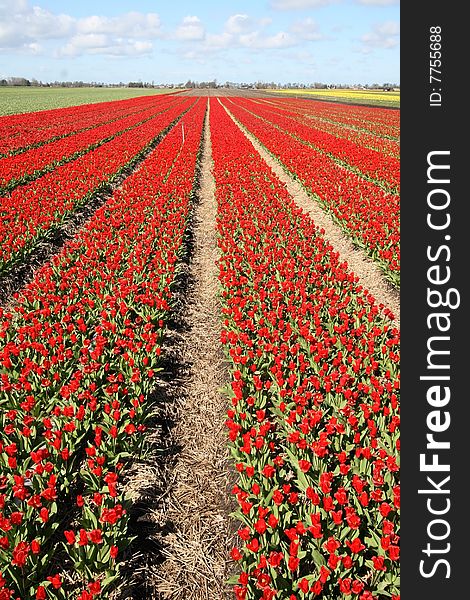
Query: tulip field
(311, 393)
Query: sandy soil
(197, 551)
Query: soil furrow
(189, 519)
(343, 164)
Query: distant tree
(17, 81)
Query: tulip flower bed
(34, 212)
(78, 354)
(375, 166)
(21, 132)
(368, 215)
(360, 137)
(381, 121)
(21, 168)
(314, 421)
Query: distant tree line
(190, 84)
(201, 84)
(140, 84)
(22, 81)
(262, 85)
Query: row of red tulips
(35, 211)
(21, 168)
(368, 215)
(314, 421)
(78, 357)
(381, 121)
(22, 131)
(361, 137)
(375, 166)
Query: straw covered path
(188, 517)
(197, 551)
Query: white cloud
(40, 23)
(299, 4)
(255, 40)
(383, 35)
(34, 48)
(238, 24)
(7, 7)
(23, 27)
(306, 29)
(191, 29)
(90, 40)
(239, 31)
(131, 25)
(102, 44)
(126, 48)
(9, 38)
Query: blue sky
(304, 41)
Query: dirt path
(370, 276)
(197, 550)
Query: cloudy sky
(330, 41)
